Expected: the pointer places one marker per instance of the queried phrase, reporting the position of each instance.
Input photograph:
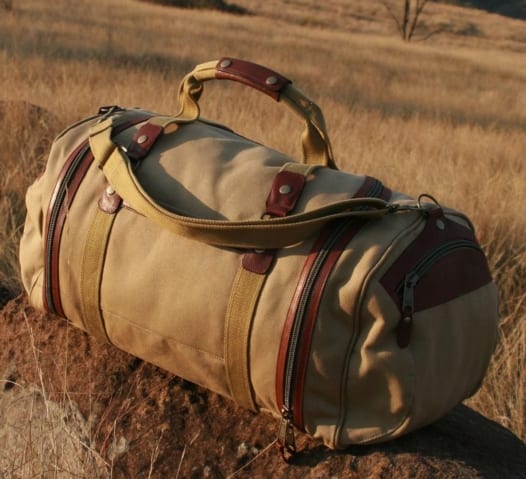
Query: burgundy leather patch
(459, 272)
(284, 193)
(143, 141)
(373, 188)
(258, 261)
(253, 75)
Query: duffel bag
(347, 310)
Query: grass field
(446, 115)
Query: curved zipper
(411, 279)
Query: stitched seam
(201, 351)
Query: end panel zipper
(68, 183)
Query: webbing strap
(241, 310)
(238, 325)
(91, 273)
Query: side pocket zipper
(406, 290)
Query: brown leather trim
(72, 188)
(284, 194)
(59, 225)
(367, 185)
(291, 314)
(253, 75)
(310, 320)
(371, 187)
(258, 261)
(385, 194)
(143, 141)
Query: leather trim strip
(291, 314)
(253, 75)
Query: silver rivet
(440, 225)
(142, 139)
(259, 251)
(225, 63)
(272, 80)
(110, 190)
(285, 189)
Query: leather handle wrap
(315, 141)
(257, 234)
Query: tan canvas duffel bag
(349, 311)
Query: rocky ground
(71, 405)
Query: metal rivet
(142, 139)
(110, 190)
(225, 63)
(285, 189)
(259, 251)
(440, 225)
(272, 80)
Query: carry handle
(252, 234)
(315, 141)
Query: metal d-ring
(426, 195)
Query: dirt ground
(133, 420)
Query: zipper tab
(405, 325)
(286, 439)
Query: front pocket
(444, 262)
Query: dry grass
(445, 116)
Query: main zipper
(411, 279)
(65, 191)
(54, 214)
(286, 434)
(290, 417)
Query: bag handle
(253, 234)
(315, 141)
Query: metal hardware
(271, 80)
(285, 189)
(225, 63)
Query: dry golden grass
(444, 116)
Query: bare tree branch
(393, 16)
(408, 22)
(420, 4)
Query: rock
(149, 407)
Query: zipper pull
(286, 439)
(405, 325)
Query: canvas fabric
(158, 277)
